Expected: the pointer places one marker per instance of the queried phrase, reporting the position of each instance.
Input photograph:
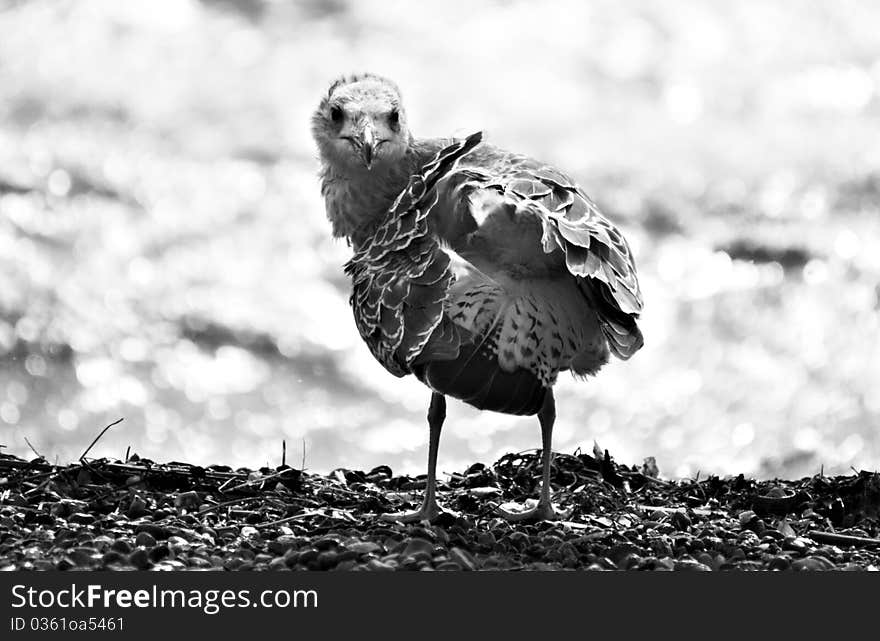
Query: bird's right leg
(429, 510)
(544, 510)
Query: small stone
(145, 539)
(706, 559)
(517, 540)
(691, 565)
(81, 518)
(486, 539)
(308, 555)
(136, 508)
(156, 531)
(121, 545)
(187, 500)
(140, 559)
(283, 543)
(449, 566)
(365, 547)
(463, 558)
(378, 566)
(160, 552)
(680, 520)
(811, 564)
(629, 561)
(747, 517)
(779, 563)
(249, 532)
(796, 544)
(418, 545)
(621, 551)
(278, 563)
(83, 556)
(327, 560)
(113, 558)
(326, 543)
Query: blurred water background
(164, 255)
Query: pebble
(144, 539)
(81, 518)
(121, 545)
(812, 563)
(378, 566)
(156, 531)
(113, 558)
(691, 565)
(365, 547)
(486, 539)
(83, 556)
(160, 552)
(463, 558)
(140, 559)
(136, 508)
(327, 560)
(326, 543)
(418, 545)
(680, 520)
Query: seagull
(482, 272)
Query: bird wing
(596, 253)
(401, 275)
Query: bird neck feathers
(357, 199)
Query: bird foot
(540, 512)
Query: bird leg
(429, 510)
(543, 511)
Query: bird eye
(336, 113)
(394, 117)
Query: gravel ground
(137, 514)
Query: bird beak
(368, 146)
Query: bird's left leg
(429, 510)
(543, 511)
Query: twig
(673, 510)
(842, 539)
(295, 517)
(258, 481)
(302, 466)
(33, 449)
(98, 437)
(211, 508)
(127, 452)
(283, 452)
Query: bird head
(360, 124)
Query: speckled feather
(400, 276)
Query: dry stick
(302, 466)
(291, 518)
(283, 452)
(258, 481)
(33, 449)
(127, 452)
(672, 510)
(98, 437)
(842, 539)
(227, 504)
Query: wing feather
(400, 277)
